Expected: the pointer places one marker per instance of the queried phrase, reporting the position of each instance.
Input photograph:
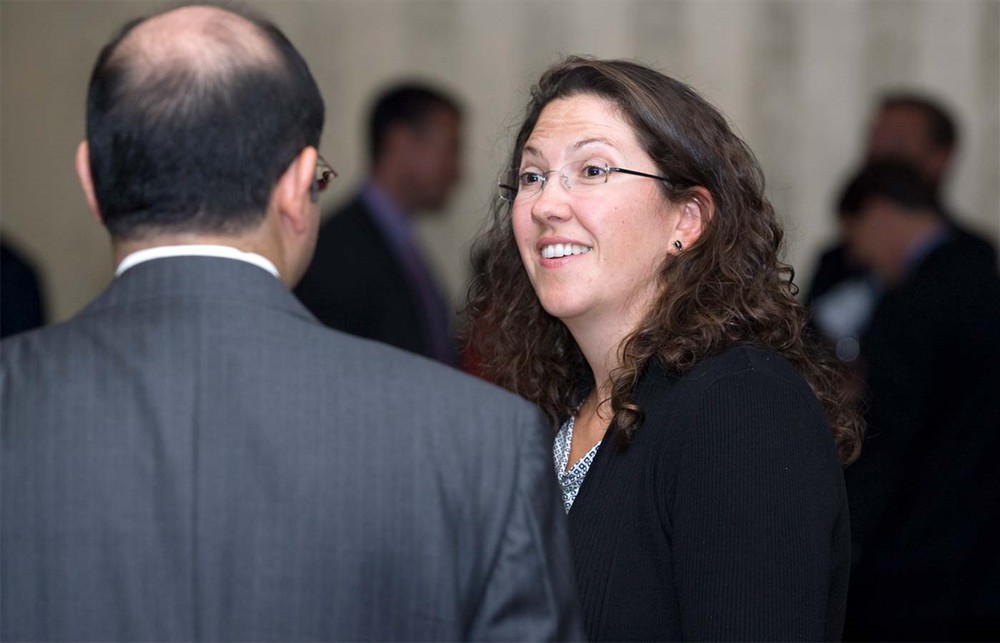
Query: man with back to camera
(194, 456)
(908, 127)
(369, 276)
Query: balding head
(208, 43)
(192, 116)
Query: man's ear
(292, 194)
(693, 215)
(86, 182)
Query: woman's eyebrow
(528, 150)
(593, 141)
(534, 152)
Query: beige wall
(796, 78)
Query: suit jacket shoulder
(196, 441)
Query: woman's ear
(693, 215)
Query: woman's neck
(600, 350)
(600, 344)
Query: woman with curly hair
(630, 285)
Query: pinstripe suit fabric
(194, 457)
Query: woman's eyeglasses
(579, 175)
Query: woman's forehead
(577, 122)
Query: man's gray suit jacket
(195, 457)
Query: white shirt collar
(226, 252)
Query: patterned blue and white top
(571, 480)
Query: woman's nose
(553, 201)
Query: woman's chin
(565, 309)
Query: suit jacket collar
(198, 278)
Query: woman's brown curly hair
(728, 287)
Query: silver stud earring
(678, 244)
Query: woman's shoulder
(738, 362)
(743, 382)
(744, 396)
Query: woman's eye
(530, 178)
(593, 171)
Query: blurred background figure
(21, 303)
(908, 127)
(369, 276)
(925, 494)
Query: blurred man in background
(370, 277)
(908, 127)
(925, 494)
(22, 306)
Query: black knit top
(725, 519)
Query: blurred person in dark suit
(21, 305)
(369, 276)
(194, 456)
(908, 127)
(925, 494)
